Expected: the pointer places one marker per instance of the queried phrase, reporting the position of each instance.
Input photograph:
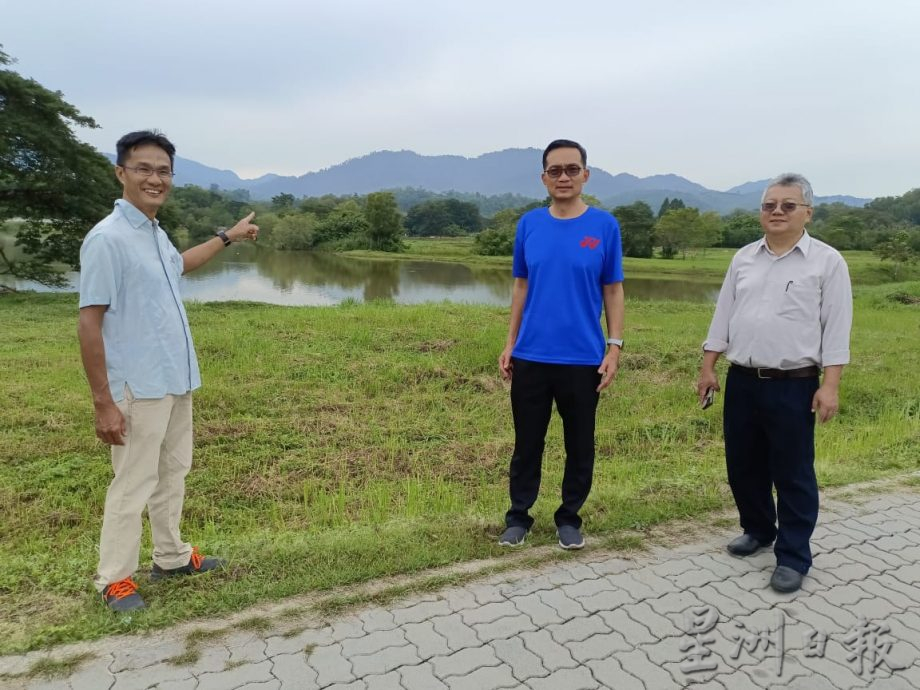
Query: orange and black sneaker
(196, 564)
(122, 596)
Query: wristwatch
(615, 341)
(223, 236)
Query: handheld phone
(709, 398)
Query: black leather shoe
(785, 579)
(745, 545)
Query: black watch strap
(223, 236)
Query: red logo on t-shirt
(590, 242)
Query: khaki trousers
(150, 471)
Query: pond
(251, 273)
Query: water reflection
(244, 272)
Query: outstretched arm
(200, 254)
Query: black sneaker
(513, 536)
(570, 537)
(196, 564)
(122, 596)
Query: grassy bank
(335, 445)
(865, 267)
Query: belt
(764, 373)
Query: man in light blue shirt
(141, 366)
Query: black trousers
(534, 387)
(770, 441)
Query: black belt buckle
(761, 376)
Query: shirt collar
(803, 245)
(133, 214)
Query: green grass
(865, 267)
(338, 445)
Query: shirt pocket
(798, 300)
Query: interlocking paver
(421, 612)
(568, 678)
(531, 606)
(553, 654)
(384, 660)
(592, 620)
(657, 624)
(377, 619)
(577, 629)
(488, 613)
(485, 678)
(330, 665)
(428, 642)
(504, 627)
(599, 646)
(637, 664)
(420, 677)
(523, 662)
(619, 621)
(464, 662)
(143, 678)
(373, 642)
(387, 681)
(298, 642)
(236, 676)
(611, 674)
(457, 633)
(566, 607)
(246, 647)
(610, 566)
(294, 671)
(141, 657)
(95, 675)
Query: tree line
(53, 188)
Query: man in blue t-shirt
(568, 265)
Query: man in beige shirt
(784, 314)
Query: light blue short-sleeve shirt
(128, 264)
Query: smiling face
(784, 225)
(146, 193)
(565, 187)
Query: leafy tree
(60, 186)
(636, 224)
(741, 228)
(898, 251)
(707, 231)
(345, 220)
(592, 200)
(670, 205)
(294, 231)
(495, 242)
(283, 202)
(385, 228)
(675, 230)
(432, 217)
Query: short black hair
(565, 144)
(132, 140)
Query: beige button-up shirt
(784, 312)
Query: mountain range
(498, 172)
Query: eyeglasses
(785, 207)
(142, 170)
(555, 171)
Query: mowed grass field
(335, 445)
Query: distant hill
(507, 171)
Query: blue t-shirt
(565, 263)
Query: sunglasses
(555, 171)
(785, 207)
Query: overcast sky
(718, 91)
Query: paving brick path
(690, 616)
